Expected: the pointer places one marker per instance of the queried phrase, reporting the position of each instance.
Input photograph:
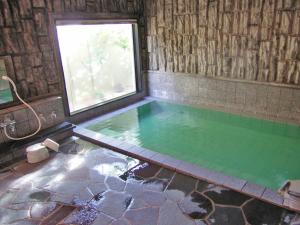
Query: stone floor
(86, 184)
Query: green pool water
(259, 151)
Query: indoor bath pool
(259, 151)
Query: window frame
(11, 74)
(86, 19)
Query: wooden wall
(255, 40)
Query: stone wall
(50, 110)
(25, 37)
(239, 39)
(195, 41)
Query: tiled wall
(260, 100)
(50, 110)
(236, 55)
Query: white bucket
(37, 153)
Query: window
(98, 62)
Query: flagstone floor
(87, 184)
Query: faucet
(8, 123)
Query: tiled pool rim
(243, 186)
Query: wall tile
(269, 102)
(50, 111)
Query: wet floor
(86, 184)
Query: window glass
(98, 63)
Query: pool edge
(116, 112)
(237, 112)
(242, 186)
